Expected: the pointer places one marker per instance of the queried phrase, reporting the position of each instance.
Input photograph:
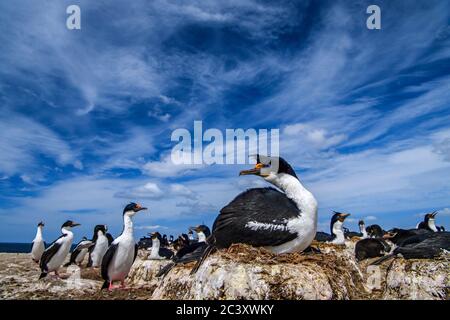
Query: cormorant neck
(362, 229)
(338, 232)
(66, 231)
(127, 225)
(155, 246)
(39, 233)
(432, 225)
(295, 191)
(201, 237)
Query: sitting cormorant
(429, 223)
(362, 231)
(371, 248)
(189, 251)
(337, 232)
(157, 251)
(427, 245)
(375, 231)
(281, 222)
(399, 236)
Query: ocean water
(11, 247)
(15, 247)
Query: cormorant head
(270, 167)
(430, 216)
(337, 217)
(202, 228)
(361, 223)
(69, 224)
(100, 227)
(41, 224)
(132, 208)
(155, 235)
(391, 233)
(171, 237)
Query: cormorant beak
(139, 208)
(343, 216)
(389, 235)
(75, 224)
(434, 214)
(256, 170)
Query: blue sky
(86, 115)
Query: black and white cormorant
(188, 251)
(371, 248)
(119, 257)
(158, 252)
(101, 244)
(191, 236)
(164, 241)
(171, 240)
(54, 256)
(399, 236)
(361, 234)
(110, 238)
(375, 231)
(181, 241)
(427, 245)
(38, 244)
(336, 229)
(281, 221)
(80, 251)
(429, 223)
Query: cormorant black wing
(193, 254)
(323, 236)
(49, 253)
(107, 260)
(110, 238)
(166, 253)
(136, 247)
(74, 255)
(257, 217)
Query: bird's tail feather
(43, 275)
(67, 264)
(210, 249)
(382, 259)
(165, 270)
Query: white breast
(101, 246)
(58, 258)
(37, 250)
(305, 225)
(122, 261)
(306, 228)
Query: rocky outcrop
(242, 272)
(418, 279)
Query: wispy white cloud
(24, 140)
